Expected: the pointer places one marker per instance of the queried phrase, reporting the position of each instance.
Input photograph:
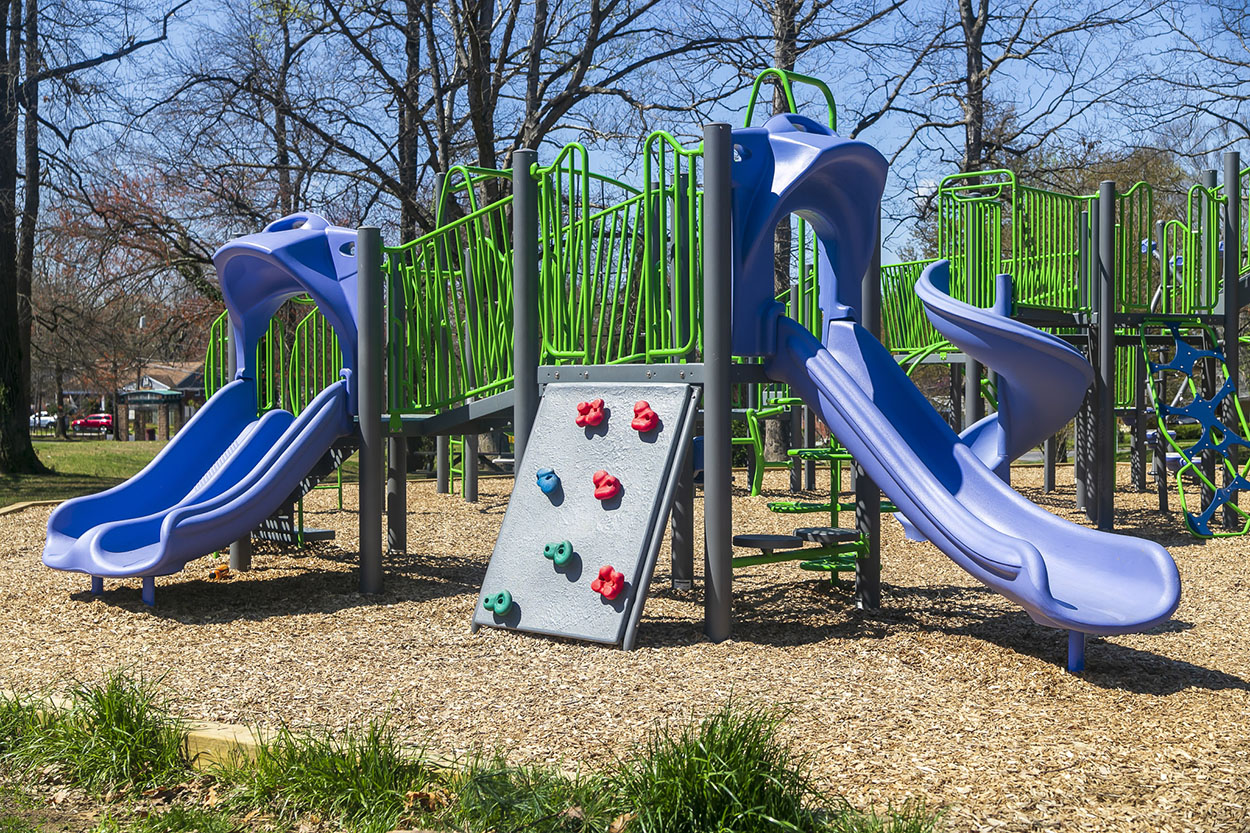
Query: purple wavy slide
(1065, 576)
(227, 470)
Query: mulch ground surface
(948, 694)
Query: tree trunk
(61, 423)
(785, 54)
(973, 22)
(17, 455)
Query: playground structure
(569, 285)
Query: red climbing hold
(645, 419)
(609, 584)
(606, 485)
(589, 413)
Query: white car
(43, 419)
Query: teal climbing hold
(559, 552)
(499, 603)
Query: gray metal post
(370, 358)
(809, 441)
(717, 355)
(867, 494)
(442, 464)
(1048, 464)
(1232, 316)
(1139, 422)
(1104, 439)
(396, 446)
(240, 550)
(682, 574)
(525, 333)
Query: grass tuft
(115, 735)
(912, 817)
(729, 772)
(493, 795)
(362, 779)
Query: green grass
(730, 773)
(493, 795)
(360, 778)
(177, 819)
(115, 735)
(79, 467)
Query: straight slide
(216, 481)
(1065, 576)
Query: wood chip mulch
(948, 694)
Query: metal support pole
(370, 358)
(396, 446)
(526, 345)
(1048, 464)
(471, 442)
(240, 550)
(1232, 317)
(682, 522)
(717, 355)
(442, 464)
(1139, 422)
(867, 495)
(1104, 440)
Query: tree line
(138, 135)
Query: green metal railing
(316, 360)
(620, 281)
(904, 325)
(270, 362)
(456, 316)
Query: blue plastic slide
(1064, 575)
(227, 470)
(952, 489)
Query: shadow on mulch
(320, 588)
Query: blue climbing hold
(548, 480)
(498, 603)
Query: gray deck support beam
(1104, 422)
(1232, 316)
(526, 336)
(396, 445)
(867, 494)
(240, 550)
(717, 356)
(370, 360)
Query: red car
(93, 422)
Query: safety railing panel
(904, 325)
(456, 314)
(315, 362)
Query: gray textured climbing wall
(623, 532)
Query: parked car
(42, 420)
(93, 422)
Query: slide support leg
(1076, 651)
(148, 591)
(683, 525)
(97, 585)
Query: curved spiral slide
(227, 470)
(1065, 576)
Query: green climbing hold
(499, 603)
(559, 552)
